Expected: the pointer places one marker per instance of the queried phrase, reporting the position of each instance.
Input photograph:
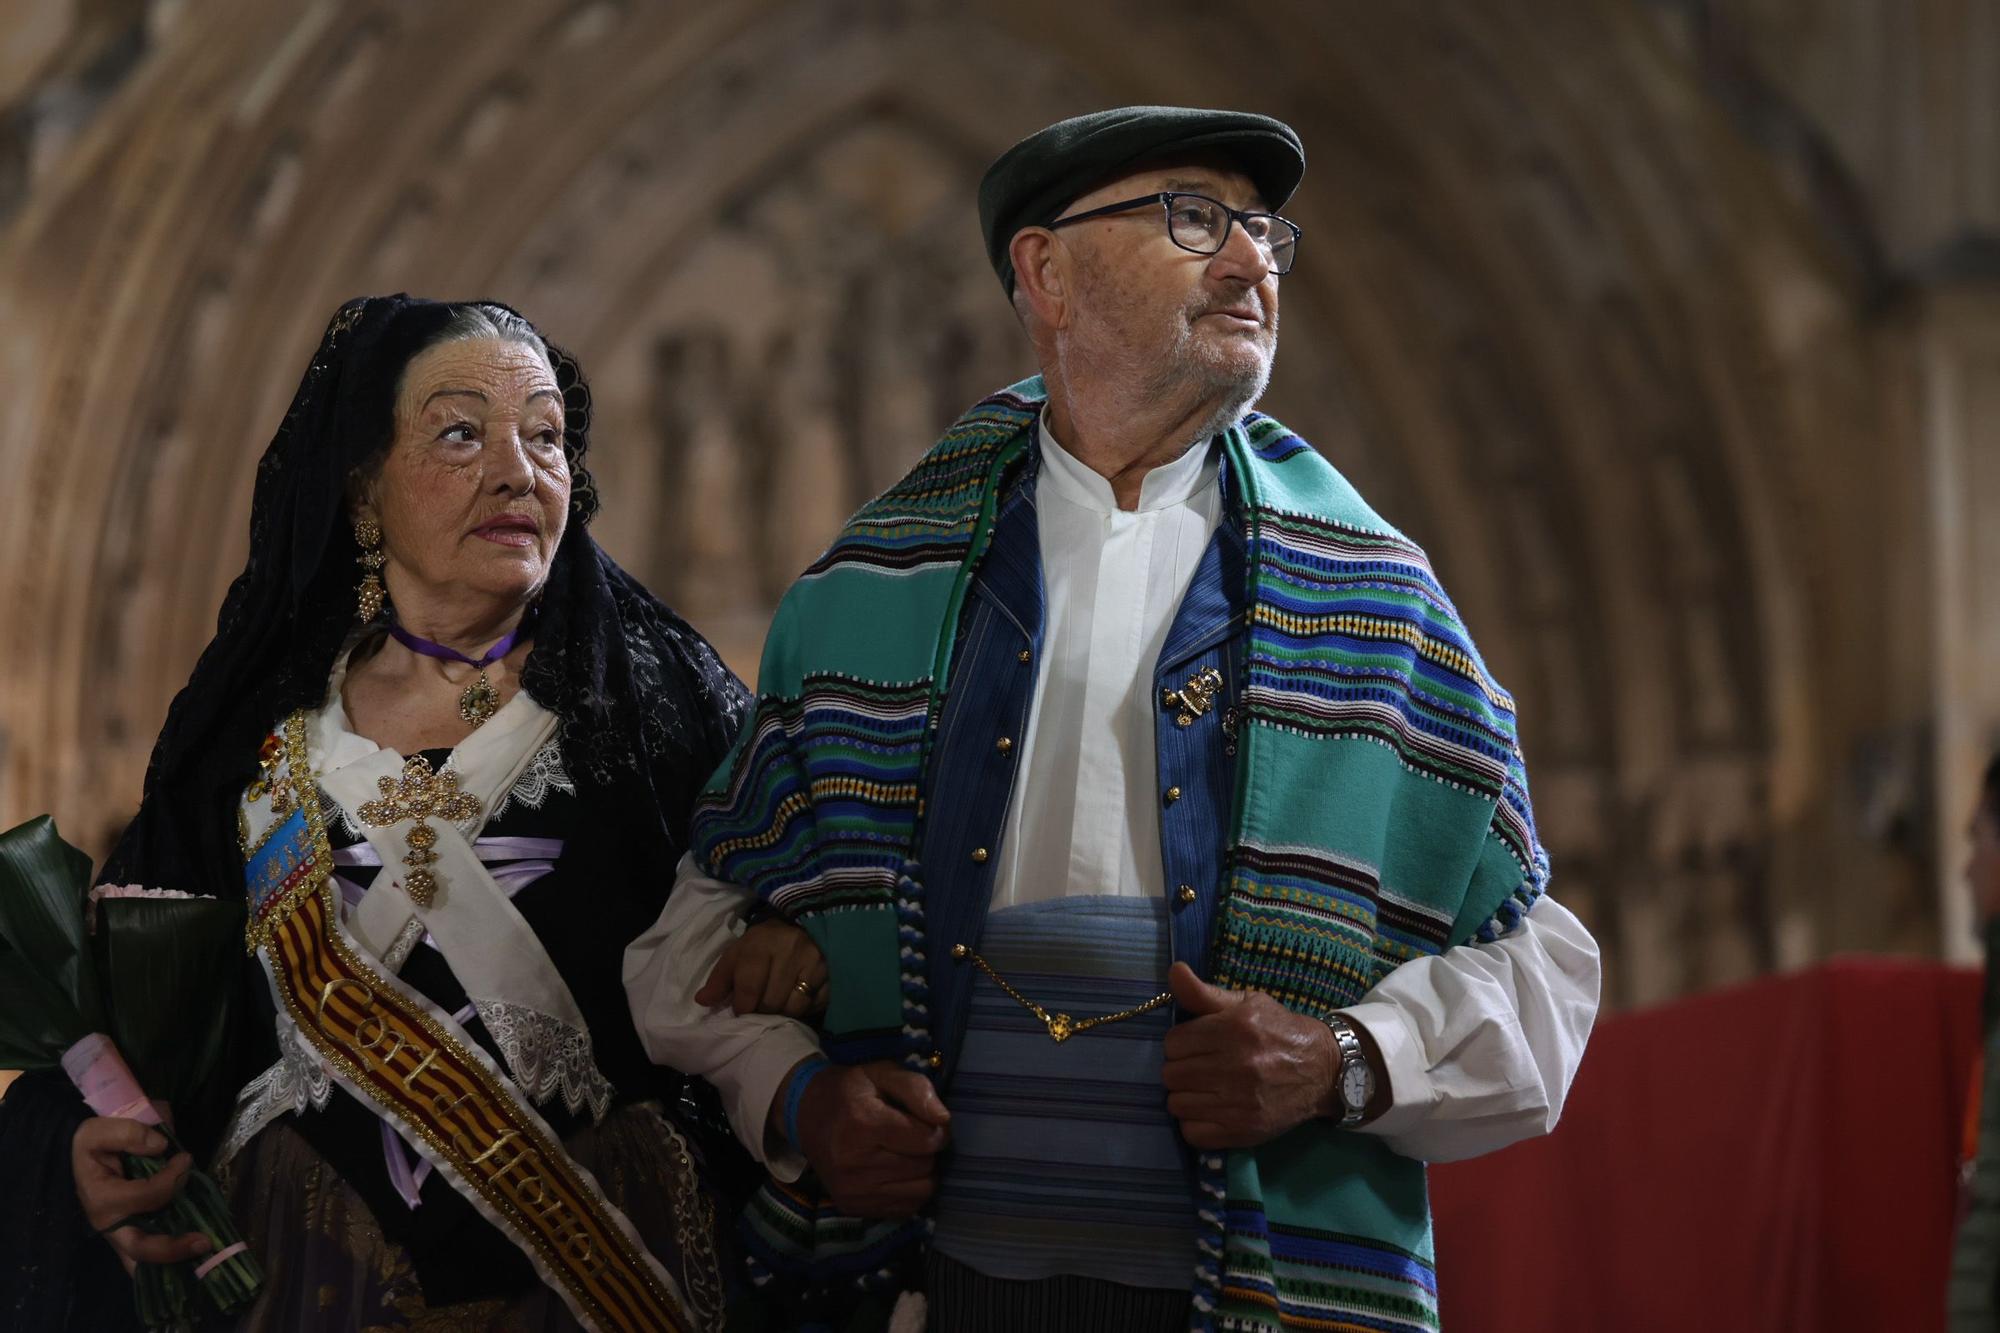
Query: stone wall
(1615, 305)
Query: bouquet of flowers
(86, 975)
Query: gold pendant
(421, 885)
(479, 702)
(1061, 1027)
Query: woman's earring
(370, 594)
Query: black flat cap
(1031, 183)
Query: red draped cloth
(1774, 1158)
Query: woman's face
(474, 493)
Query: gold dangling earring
(371, 593)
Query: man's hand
(108, 1197)
(872, 1133)
(772, 968)
(1244, 1069)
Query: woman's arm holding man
(871, 1132)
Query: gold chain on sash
(1061, 1026)
(477, 1128)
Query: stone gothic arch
(1552, 314)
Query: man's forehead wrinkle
(1239, 194)
(1218, 187)
(1217, 182)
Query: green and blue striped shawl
(1381, 814)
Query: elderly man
(1166, 840)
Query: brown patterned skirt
(327, 1264)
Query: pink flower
(102, 891)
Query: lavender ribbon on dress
(514, 863)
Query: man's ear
(1041, 275)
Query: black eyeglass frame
(1165, 198)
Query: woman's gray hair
(489, 321)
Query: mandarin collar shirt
(1085, 818)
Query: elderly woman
(444, 749)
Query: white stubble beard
(1176, 368)
(1185, 362)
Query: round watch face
(1354, 1082)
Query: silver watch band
(1351, 1054)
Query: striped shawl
(1381, 814)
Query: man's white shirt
(1480, 1042)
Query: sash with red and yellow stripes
(413, 1066)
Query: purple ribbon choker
(418, 644)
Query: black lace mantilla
(641, 696)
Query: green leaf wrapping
(170, 968)
(48, 986)
(34, 1018)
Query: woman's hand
(108, 1197)
(771, 968)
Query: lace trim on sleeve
(296, 1081)
(546, 1056)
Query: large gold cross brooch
(419, 794)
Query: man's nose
(1241, 258)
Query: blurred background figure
(1975, 1268)
(1670, 328)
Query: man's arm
(1472, 1050)
(1480, 1043)
(746, 1056)
(872, 1132)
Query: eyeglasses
(1198, 223)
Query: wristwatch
(1356, 1081)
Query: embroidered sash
(493, 951)
(411, 1065)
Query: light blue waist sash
(1064, 1158)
